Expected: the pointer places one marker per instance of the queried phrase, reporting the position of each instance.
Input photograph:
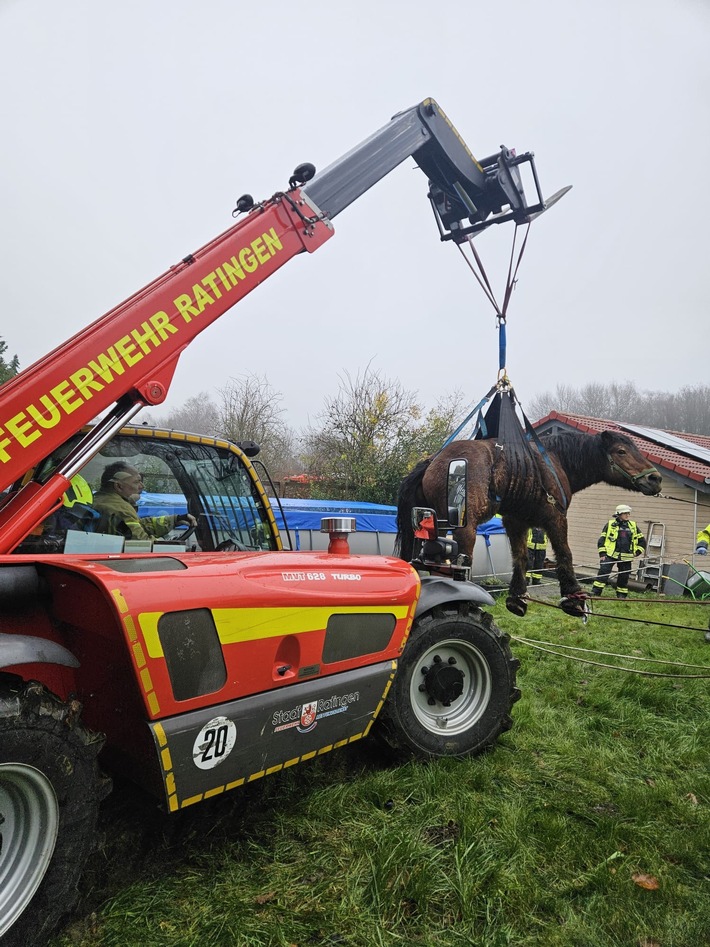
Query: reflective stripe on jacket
(610, 536)
(537, 538)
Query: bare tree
(198, 415)
(360, 436)
(564, 398)
(440, 422)
(685, 411)
(691, 410)
(625, 402)
(369, 435)
(593, 400)
(250, 410)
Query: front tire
(50, 790)
(454, 687)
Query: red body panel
(271, 610)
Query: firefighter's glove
(701, 549)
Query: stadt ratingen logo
(308, 716)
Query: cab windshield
(178, 476)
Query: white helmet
(622, 508)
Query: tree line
(362, 442)
(369, 434)
(372, 432)
(686, 411)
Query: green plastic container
(699, 584)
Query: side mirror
(457, 491)
(250, 448)
(424, 523)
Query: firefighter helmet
(78, 492)
(622, 508)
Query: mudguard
(25, 649)
(436, 589)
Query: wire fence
(573, 653)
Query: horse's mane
(572, 447)
(577, 447)
(583, 456)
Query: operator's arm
(153, 527)
(703, 541)
(119, 517)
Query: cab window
(176, 477)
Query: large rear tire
(455, 685)
(50, 790)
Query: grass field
(588, 825)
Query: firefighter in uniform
(537, 549)
(703, 541)
(620, 542)
(117, 502)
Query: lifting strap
(453, 436)
(481, 276)
(502, 423)
(533, 436)
(500, 420)
(509, 431)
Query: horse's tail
(410, 495)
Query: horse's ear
(607, 438)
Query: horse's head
(627, 465)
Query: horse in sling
(528, 486)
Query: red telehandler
(208, 658)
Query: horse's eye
(621, 450)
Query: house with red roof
(669, 521)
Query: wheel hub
(442, 682)
(30, 821)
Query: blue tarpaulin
(307, 514)
(300, 514)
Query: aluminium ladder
(651, 566)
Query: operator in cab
(117, 502)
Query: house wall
(591, 508)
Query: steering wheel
(181, 535)
(231, 545)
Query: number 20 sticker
(214, 743)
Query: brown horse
(519, 483)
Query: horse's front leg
(517, 537)
(465, 537)
(570, 589)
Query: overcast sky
(131, 128)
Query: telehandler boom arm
(127, 358)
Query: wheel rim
(29, 821)
(450, 687)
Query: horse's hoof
(574, 605)
(517, 606)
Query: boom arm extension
(127, 358)
(464, 192)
